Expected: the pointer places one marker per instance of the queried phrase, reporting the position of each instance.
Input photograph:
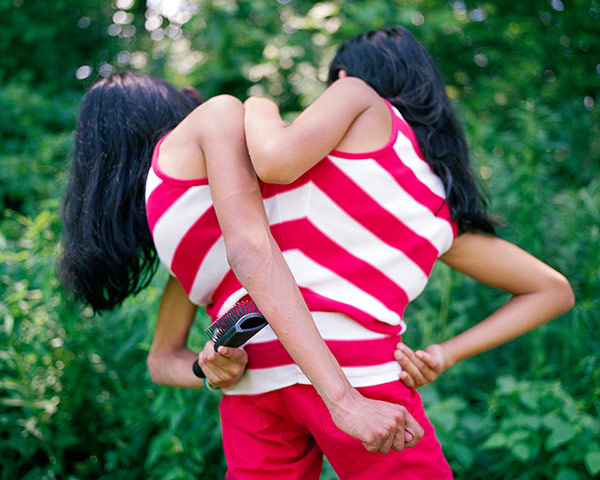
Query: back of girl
(109, 252)
(377, 174)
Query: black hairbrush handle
(197, 370)
(236, 335)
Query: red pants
(283, 435)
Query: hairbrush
(234, 328)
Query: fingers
(224, 356)
(414, 369)
(370, 447)
(407, 433)
(412, 429)
(400, 440)
(383, 442)
(224, 368)
(407, 380)
(428, 359)
(419, 368)
(236, 355)
(387, 445)
(381, 426)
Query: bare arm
(539, 294)
(170, 359)
(349, 114)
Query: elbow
(248, 253)
(277, 176)
(563, 294)
(271, 164)
(569, 296)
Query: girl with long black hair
(375, 186)
(141, 141)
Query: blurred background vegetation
(76, 401)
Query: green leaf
(464, 454)
(522, 451)
(592, 462)
(497, 440)
(567, 474)
(518, 435)
(562, 432)
(9, 323)
(531, 422)
(156, 450)
(529, 399)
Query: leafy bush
(528, 409)
(76, 400)
(35, 133)
(521, 429)
(539, 420)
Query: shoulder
(212, 116)
(352, 88)
(220, 103)
(351, 84)
(360, 101)
(183, 153)
(372, 125)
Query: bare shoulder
(353, 85)
(182, 154)
(211, 117)
(353, 90)
(372, 128)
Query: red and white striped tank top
(359, 231)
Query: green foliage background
(76, 401)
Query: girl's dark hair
(108, 253)
(402, 71)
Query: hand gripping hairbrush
(234, 328)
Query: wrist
(208, 386)
(450, 358)
(340, 397)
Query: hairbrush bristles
(234, 328)
(237, 325)
(230, 317)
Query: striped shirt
(360, 233)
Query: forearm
(540, 293)
(174, 368)
(519, 315)
(280, 153)
(259, 265)
(265, 275)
